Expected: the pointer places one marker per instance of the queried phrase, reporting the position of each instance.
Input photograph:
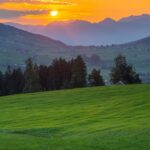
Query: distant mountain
(105, 32)
(17, 45)
(141, 18)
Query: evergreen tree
(79, 73)
(61, 73)
(18, 81)
(45, 77)
(8, 84)
(124, 72)
(32, 83)
(1, 83)
(95, 78)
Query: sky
(40, 11)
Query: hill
(101, 118)
(105, 32)
(17, 45)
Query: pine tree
(124, 72)
(79, 73)
(61, 73)
(32, 83)
(45, 77)
(1, 84)
(95, 78)
(18, 80)
(8, 84)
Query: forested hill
(17, 45)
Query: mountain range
(17, 45)
(105, 32)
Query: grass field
(103, 118)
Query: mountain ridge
(105, 32)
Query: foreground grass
(103, 118)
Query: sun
(54, 13)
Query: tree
(8, 87)
(32, 83)
(79, 73)
(18, 81)
(95, 78)
(1, 83)
(45, 76)
(61, 73)
(124, 72)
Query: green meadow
(99, 118)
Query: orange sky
(38, 11)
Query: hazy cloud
(7, 14)
(52, 2)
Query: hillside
(107, 31)
(102, 118)
(17, 45)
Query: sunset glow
(54, 13)
(40, 11)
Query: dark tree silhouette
(32, 83)
(44, 77)
(95, 78)
(124, 72)
(79, 73)
(1, 83)
(18, 81)
(8, 84)
(61, 74)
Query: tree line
(62, 74)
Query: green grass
(102, 118)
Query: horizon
(68, 21)
(42, 12)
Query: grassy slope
(107, 118)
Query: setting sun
(54, 13)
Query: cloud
(7, 14)
(51, 2)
